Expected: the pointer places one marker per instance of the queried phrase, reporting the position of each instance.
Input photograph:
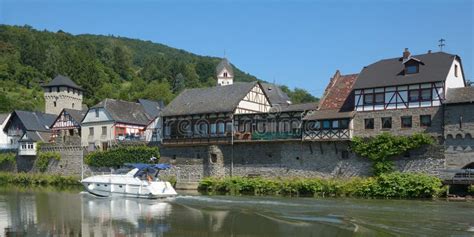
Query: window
(67, 89)
(57, 89)
(369, 123)
(73, 105)
(104, 131)
(91, 131)
(411, 69)
(54, 103)
(456, 70)
(326, 124)
(345, 154)
(379, 98)
(225, 74)
(406, 121)
(30, 145)
(387, 122)
(343, 124)
(96, 113)
(426, 94)
(368, 99)
(335, 124)
(414, 95)
(317, 125)
(425, 120)
(460, 122)
(50, 89)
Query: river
(50, 212)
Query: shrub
(35, 179)
(393, 185)
(7, 158)
(44, 158)
(121, 155)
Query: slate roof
(300, 107)
(328, 114)
(36, 136)
(217, 99)
(3, 117)
(61, 80)
(390, 72)
(152, 108)
(275, 94)
(124, 111)
(35, 121)
(338, 93)
(224, 63)
(460, 95)
(77, 115)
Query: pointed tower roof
(224, 64)
(61, 80)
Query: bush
(121, 155)
(393, 185)
(44, 158)
(35, 179)
(7, 158)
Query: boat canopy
(147, 168)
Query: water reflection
(43, 212)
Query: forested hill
(105, 66)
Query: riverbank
(393, 185)
(37, 179)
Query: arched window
(73, 105)
(54, 103)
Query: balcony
(327, 135)
(197, 140)
(267, 136)
(27, 149)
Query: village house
(66, 129)
(26, 129)
(115, 121)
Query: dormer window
(225, 74)
(411, 69)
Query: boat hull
(113, 186)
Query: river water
(49, 212)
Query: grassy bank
(393, 185)
(35, 179)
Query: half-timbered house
(67, 126)
(404, 95)
(206, 115)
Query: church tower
(62, 93)
(224, 73)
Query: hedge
(120, 155)
(392, 185)
(37, 179)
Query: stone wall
(436, 128)
(70, 162)
(288, 159)
(459, 129)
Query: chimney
(429, 51)
(406, 54)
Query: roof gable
(219, 99)
(338, 92)
(224, 64)
(434, 67)
(275, 94)
(124, 111)
(33, 121)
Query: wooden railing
(327, 134)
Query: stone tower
(62, 93)
(224, 73)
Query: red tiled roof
(338, 93)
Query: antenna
(441, 44)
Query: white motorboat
(141, 182)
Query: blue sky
(296, 43)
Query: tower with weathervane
(224, 73)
